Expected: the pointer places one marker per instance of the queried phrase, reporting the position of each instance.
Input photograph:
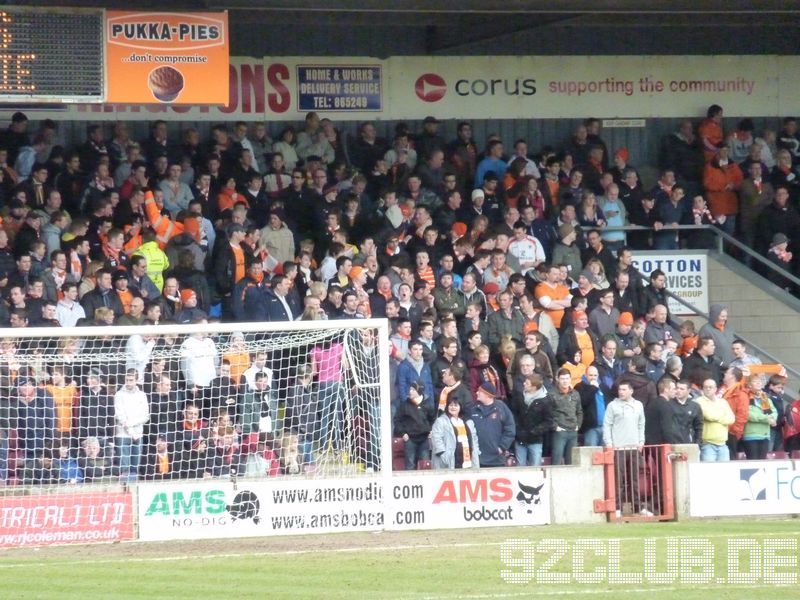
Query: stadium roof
(447, 23)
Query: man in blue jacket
(413, 369)
(494, 425)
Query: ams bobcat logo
(529, 496)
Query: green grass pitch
(467, 563)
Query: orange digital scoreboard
(51, 56)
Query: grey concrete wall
(680, 478)
(575, 488)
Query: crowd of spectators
(504, 275)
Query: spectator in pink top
(326, 360)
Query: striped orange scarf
(463, 439)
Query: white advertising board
(433, 500)
(484, 498)
(217, 509)
(741, 488)
(485, 87)
(687, 277)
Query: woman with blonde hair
(596, 268)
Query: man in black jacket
(532, 410)
(454, 389)
(278, 307)
(494, 425)
(593, 397)
(703, 359)
(229, 260)
(102, 295)
(658, 414)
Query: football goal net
(121, 405)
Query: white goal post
(117, 405)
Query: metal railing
(722, 238)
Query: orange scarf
(461, 438)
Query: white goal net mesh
(122, 405)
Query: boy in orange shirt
(65, 402)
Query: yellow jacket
(157, 262)
(717, 416)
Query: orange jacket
(739, 400)
(164, 227)
(227, 199)
(711, 137)
(716, 179)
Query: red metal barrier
(638, 482)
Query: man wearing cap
(467, 214)
(628, 343)
(494, 424)
(119, 278)
(446, 298)
(780, 256)
(189, 312)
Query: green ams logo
(209, 508)
(180, 504)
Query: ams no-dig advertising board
(217, 509)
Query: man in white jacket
(199, 358)
(623, 430)
(131, 412)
